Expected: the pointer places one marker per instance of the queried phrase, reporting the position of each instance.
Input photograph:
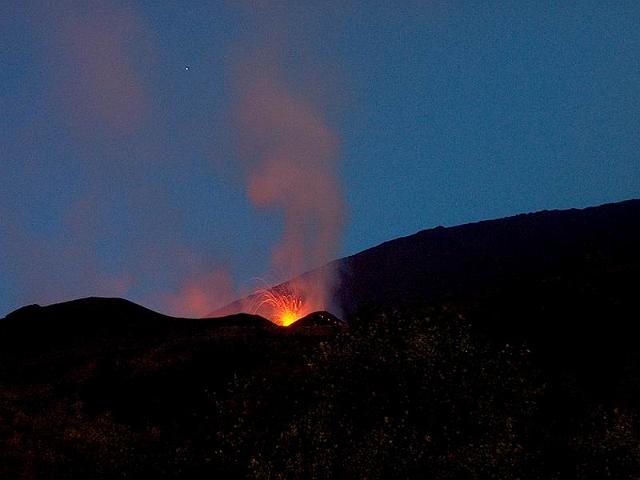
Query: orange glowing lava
(286, 306)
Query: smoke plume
(94, 184)
(290, 156)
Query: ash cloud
(108, 222)
(290, 155)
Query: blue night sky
(124, 169)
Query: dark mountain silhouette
(95, 320)
(475, 260)
(563, 281)
(501, 349)
(566, 282)
(552, 277)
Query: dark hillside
(480, 259)
(502, 349)
(564, 281)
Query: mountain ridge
(504, 349)
(349, 294)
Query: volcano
(505, 348)
(476, 258)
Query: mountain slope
(472, 259)
(480, 259)
(502, 349)
(563, 281)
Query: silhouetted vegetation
(502, 349)
(414, 393)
